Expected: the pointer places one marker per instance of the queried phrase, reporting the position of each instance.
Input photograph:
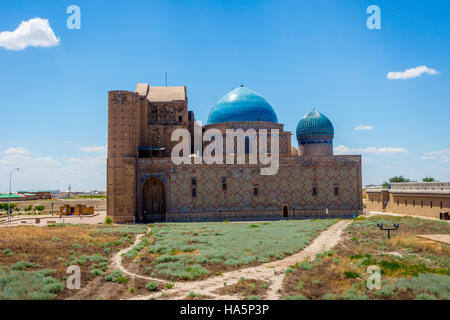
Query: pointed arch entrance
(154, 200)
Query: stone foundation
(123, 219)
(259, 216)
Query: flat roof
(13, 195)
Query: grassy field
(198, 250)
(34, 260)
(411, 268)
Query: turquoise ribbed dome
(242, 104)
(314, 124)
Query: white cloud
(45, 172)
(441, 155)
(35, 32)
(342, 150)
(12, 156)
(93, 149)
(87, 163)
(363, 127)
(17, 151)
(374, 150)
(411, 73)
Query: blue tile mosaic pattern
(242, 104)
(312, 125)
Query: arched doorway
(154, 201)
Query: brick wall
(413, 204)
(292, 187)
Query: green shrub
(28, 208)
(152, 286)
(432, 284)
(351, 274)
(97, 272)
(116, 276)
(296, 297)
(22, 265)
(26, 285)
(289, 270)
(85, 258)
(169, 285)
(254, 297)
(39, 208)
(76, 246)
(167, 258)
(425, 296)
(193, 295)
(102, 265)
(52, 285)
(8, 252)
(329, 296)
(179, 270)
(306, 265)
(352, 294)
(108, 220)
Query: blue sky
(297, 54)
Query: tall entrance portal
(154, 198)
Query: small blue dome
(242, 104)
(312, 125)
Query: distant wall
(421, 204)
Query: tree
(399, 179)
(4, 206)
(395, 179)
(428, 179)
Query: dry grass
(323, 278)
(418, 245)
(341, 273)
(98, 289)
(58, 247)
(245, 288)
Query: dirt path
(116, 261)
(272, 272)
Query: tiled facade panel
(284, 146)
(292, 186)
